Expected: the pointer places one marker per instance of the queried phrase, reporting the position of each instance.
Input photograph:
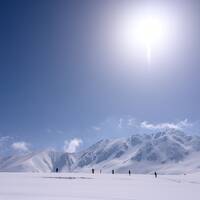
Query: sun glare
(143, 32)
(150, 31)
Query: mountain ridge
(169, 151)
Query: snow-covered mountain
(170, 151)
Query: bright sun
(150, 32)
(137, 32)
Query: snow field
(79, 186)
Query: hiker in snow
(56, 170)
(129, 172)
(113, 171)
(155, 174)
(92, 171)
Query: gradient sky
(62, 75)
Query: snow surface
(80, 186)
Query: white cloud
(185, 123)
(131, 122)
(72, 145)
(127, 122)
(160, 126)
(5, 139)
(120, 122)
(5, 142)
(96, 128)
(20, 146)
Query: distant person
(56, 170)
(100, 171)
(155, 173)
(113, 171)
(92, 171)
(129, 172)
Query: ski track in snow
(182, 181)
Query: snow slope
(170, 151)
(44, 161)
(167, 152)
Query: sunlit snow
(79, 186)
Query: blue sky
(62, 77)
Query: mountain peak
(164, 151)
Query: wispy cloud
(131, 122)
(5, 139)
(96, 128)
(72, 145)
(120, 122)
(56, 131)
(126, 125)
(160, 126)
(20, 146)
(5, 142)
